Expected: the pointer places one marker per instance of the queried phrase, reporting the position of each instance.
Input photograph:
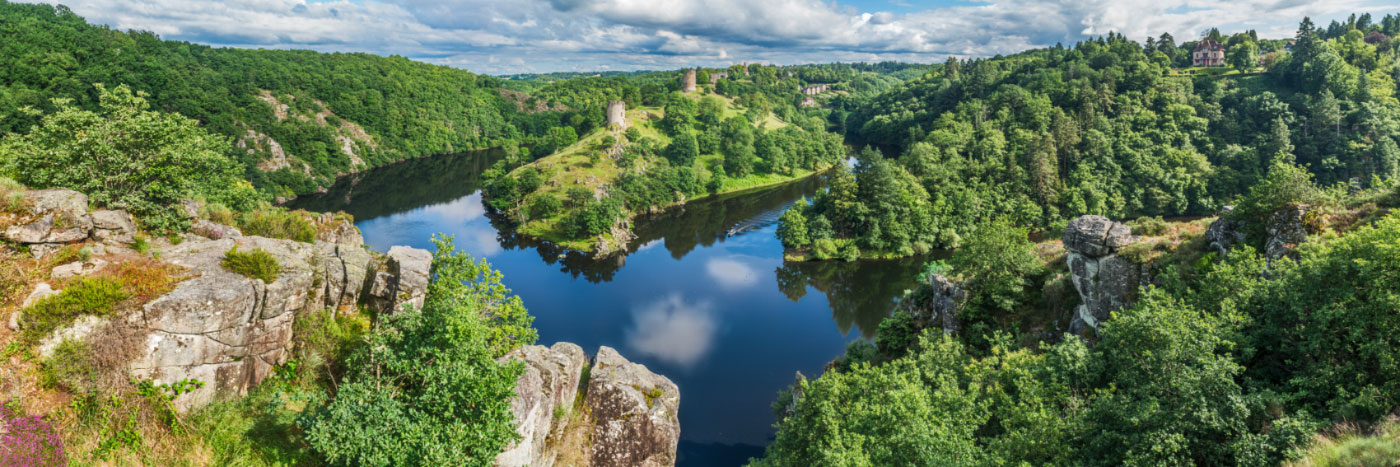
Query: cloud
(562, 35)
(673, 330)
(731, 274)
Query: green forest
(408, 108)
(1268, 349)
(1103, 127)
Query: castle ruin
(617, 114)
(688, 82)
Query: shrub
(29, 441)
(128, 157)
(426, 388)
(254, 264)
(594, 218)
(11, 195)
(1381, 449)
(578, 196)
(545, 206)
(69, 367)
(272, 222)
(98, 296)
(1149, 226)
(218, 214)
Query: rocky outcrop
(403, 280)
(548, 386)
(1224, 232)
(631, 415)
(228, 330)
(935, 304)
(1287, 228)
(53, 218)
(111, 226)
(634, 413)
(215, 326)
(1105, 281)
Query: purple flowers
(28, 441)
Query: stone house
(1208, 53)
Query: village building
(1208, 53)
(815, 89)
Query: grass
(254, 264)
(577, 166)
(279, 223)
(121, 286)
(11, 196)
(1351, 448)
(98, 296)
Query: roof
(1208, 45)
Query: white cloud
(673, 331)
(554, 35)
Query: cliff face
(230, 331)
(1105, 281)
(628, 415)
(215, 326)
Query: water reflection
(673, 330)
(405, 185)
(731, 273)
(703, 295)
(855, 289)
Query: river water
(703, 297)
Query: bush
(98, 296)
(254, 264)
(218, 214)
(544, 206)
(594, 218)
(1149, 226)
(272, 222)
(426, 389)
(127, 157)
(11, 196)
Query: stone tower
(617, 114)
(688, 82)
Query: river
(703, 296)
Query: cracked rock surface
(1105, 281)
(229, 331)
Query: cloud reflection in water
(673, 331)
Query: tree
(996, 263)
(792, 226)
(1173, 397)
(426, 389)
(1244, 56)
(127, 157)
(683, 149)
(737, 146)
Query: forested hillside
(405, 108)
(1108, 127)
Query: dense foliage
(1224, 361)
(126, 157)
(1110, 127)
(426, 389)
(408, 108)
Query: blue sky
(516, 36)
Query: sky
(536, 36)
